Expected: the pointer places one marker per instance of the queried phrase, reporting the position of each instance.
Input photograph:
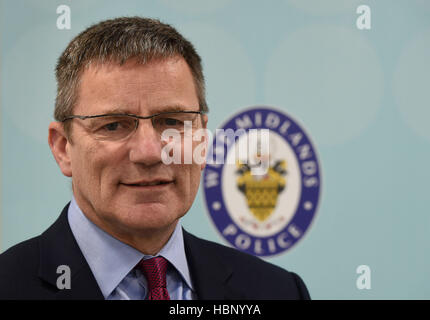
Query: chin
(149, 216)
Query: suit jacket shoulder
(18, 269)
(30, 269)
(236, 275)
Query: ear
(59, 145)
(204, 125)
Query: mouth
(149, 184)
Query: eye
(113, 126)
(171, 122)
(167, 122)
(116, 124)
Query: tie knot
(154, 270)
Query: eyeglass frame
(81, 117)
(201, 112)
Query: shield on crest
(261, 191)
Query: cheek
(191, 180)
(195, 169)
(194, 149)
(82, 168)
(90, 166)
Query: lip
(149, 184)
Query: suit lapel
(59, 247)
(210, 274)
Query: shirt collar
(110, 260)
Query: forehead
(157, 86)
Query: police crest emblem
(262, 181)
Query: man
(121, 84)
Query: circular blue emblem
(262, 181)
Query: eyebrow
(116, 111)
(163, 109)
(174, 108)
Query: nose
(145, 145)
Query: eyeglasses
(119, 126)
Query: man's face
(106, 174)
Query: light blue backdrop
(362, 95)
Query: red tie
(154, 270)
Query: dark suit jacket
(28, 270)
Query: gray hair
(119, 40)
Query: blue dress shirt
(112, 262)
